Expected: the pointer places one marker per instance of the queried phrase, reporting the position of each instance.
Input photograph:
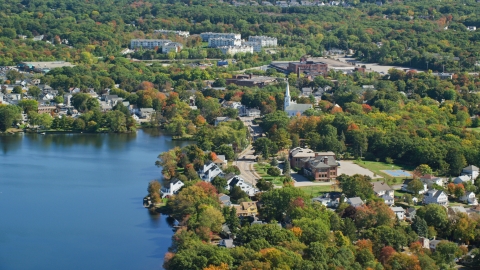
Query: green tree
(276, 203)
(264, 185)
(456, 161)
(273, 171)
(28, 105)
(286, 168)
(226, 150)
(446, 252)
(435, 215)
(356, 185)
(79, 124)
(236, 194)
(420, 226)
(34, 91)
(116, 121)
(415, 186)
(265, 147)
(9, 114)
(422, 169)
(17, 90)
(219, 183)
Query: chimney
(250, 76)
(325, 160)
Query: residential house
(172, 47)
(224, 199)
(425, 242)
(221, 119)
(247, 209)
(227, 243)
(307, 91)
(46, 108)
(433, 244)
(389, 200)
(381, 188)
(411, 213)
(399, 211)
(471, 171)
(471, 28)
(221, 161)
(431, 180)
(469, 198)
(209, 171)
(436, 197)
(240, 182)
(253, 113)
(297, 154)
(330, 199)
(463, 179)
(172, 189)
(146, 113)
(355, 201)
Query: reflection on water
(10, 142)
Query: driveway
(349, 168)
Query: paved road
(245, 162)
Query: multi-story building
(219, 42)
(306, 65)
(264, 40)
(257, 46)
(172, 47)
(208, 35)
(178, 33)
(148, 43)
(232, 50)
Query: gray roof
(471, 168)
(228, 243)
(380, 186)
(302, 152)
(355, 201)
(387, 197)
(397, 209)
(299, 107)
(319, 162)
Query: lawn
(261, 169)
(377, 167)
(319, 190)
(477, 129)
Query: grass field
(319, 190)
(262, 171)
(477, 129)
(377, 167)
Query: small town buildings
(46, 108)
(425, 242)
(247, 209)
(232, 50)
(146, 113)
(433, 244)
(297, 154)
(251, 81)
(431, 180)
(208, 35)
(469, 198)
(471, 28)
(389, 200)
(291, 107)
(399, 211)
(42, 67)
(307, 65)
(264, 41)
(321, 167)
(455, 210)
(253, 113)
(435, 196)
(209, 171)
(355, 201)
(172, 189)
(463, 179)
(410, 213)
(172, 47)
(219, 42)
(184, 34)
(148, 43)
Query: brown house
(297, 154)
(322, 168)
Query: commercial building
(208, 35)
(232, 50)
(220, 42)
(264, 40)
(250, 81)
(148, 43)
(307, 65)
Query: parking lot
(349, 168)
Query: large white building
(264, 40)
(220, 42)
(291, 107)
(172, 47)
(178, 33)
(148, 43)
(232, 50)
(208, 35)
(257, 46)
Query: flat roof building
(148, 43)
(43, 67)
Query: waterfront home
(209, 171)
(172, 189)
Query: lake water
(74, 201)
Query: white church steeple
(287, 100)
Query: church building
(291, 107)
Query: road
(245, 162)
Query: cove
(74, 201)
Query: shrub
(273, 171)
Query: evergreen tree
(286, 168)
(420, 226)
(349, 229)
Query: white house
(221, 119)
(436, 197)
(240, 182)
(463, 179)
(431, 180)
(469, 198)
(388, 199)
(471, 171)
(381, 188)
(433, 244)
(209, 171)
(291, 107)
(399, 211)
(172, 189)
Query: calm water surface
(75, 201)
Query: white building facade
(232, 50)
(148, 43)
(264, 41)
(208, 35)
